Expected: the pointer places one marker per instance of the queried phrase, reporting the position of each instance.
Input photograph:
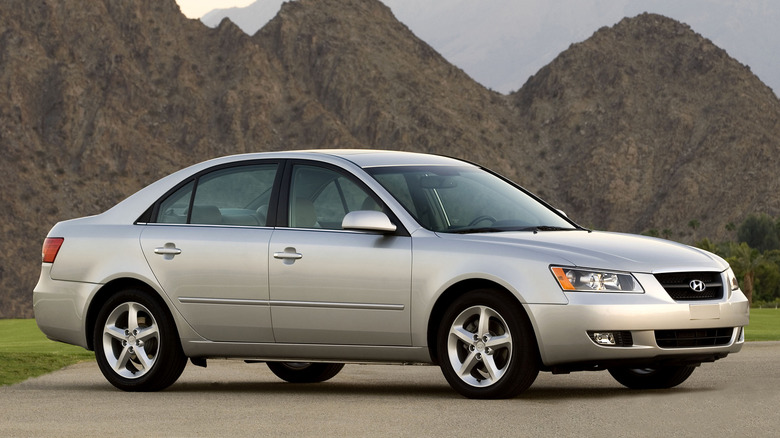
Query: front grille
(693, 337)
(678, 285)
(624, 339)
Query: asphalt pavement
(738, 396)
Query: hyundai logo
(697, 285)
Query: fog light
(603, 338)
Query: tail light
(51, 246)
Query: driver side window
(320, 198)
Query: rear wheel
(652, 378)
(136, 343)
(486, 346)
(304, 372)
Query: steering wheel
(482, 218)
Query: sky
(199, 8)
(501, 43)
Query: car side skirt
(307, 352)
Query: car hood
(604, 250)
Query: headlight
(731, 282)
(588, 280)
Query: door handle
(168, 251)
(288, 255)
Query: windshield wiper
(538, 228)
(477, 230)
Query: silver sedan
(309, 260)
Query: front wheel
(652, 378)
(305, 372)
(486, 346)
(136, 343)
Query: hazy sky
(500, 43)
(199, 8)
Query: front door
(330, 286)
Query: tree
(767, 281)
(707, 245)
(759, 232)
(694, 224)
(744, 260)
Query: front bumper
(564, 331)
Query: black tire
(487, 335)
(136, 343)
(652, 378)
(304, 372)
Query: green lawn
(25, 352)
(764, 325)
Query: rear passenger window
(232, 196)
(173, 210)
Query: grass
(25, 352)
(764, 325)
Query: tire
(304, 372)
(136, 343)
(486, 346)
(652, 378)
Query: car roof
(375, 158)
(364, 158)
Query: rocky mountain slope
(648, 125)
(644, 125)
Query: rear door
(208, 248)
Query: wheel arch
(455, 291)
(107, 291)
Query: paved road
(736, 397)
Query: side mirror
(367, 220)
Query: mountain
(384, 86)
(500, 43)
(649, 125)
(644, 125)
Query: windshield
(465, 200)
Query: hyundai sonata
(309, 260)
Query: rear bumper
(60, 308)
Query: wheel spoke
(145, 362)
(484, 321)
(468, 364)
(461, 333)
(120, 366)
(114, 332)
(146, 333)
(490, 366)
(499, 342)
(132, 316)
